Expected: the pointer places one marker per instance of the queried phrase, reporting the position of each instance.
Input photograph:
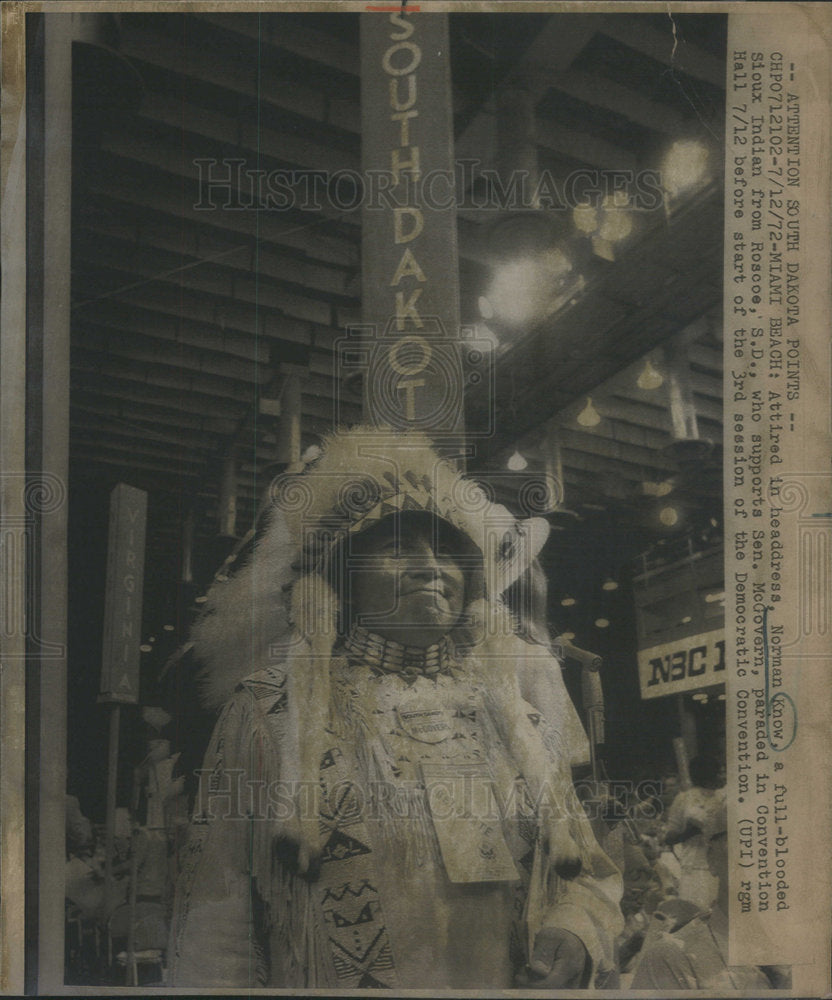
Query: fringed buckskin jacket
(373, 815)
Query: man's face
(408, 587)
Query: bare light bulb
(649, 378)
(585, 218)
(589, 416)
(657, 489)
(668, 516)
(485, 307)
(685, 166)
(517, 462)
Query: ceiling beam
(94, 456)
(89, 383)
(617, 468)
(162, 375)
(144, 188)
(137, 347)
(664, 47)
(559, 42)
(194, 445)
(174, 161)
(592, 444)
(163, 456)
(116, 407)
(282, 33)
(232, 69)
(128, 313)
(238, 295)
(261, 145)
(193, 241)
(583, 146)
(627, 102)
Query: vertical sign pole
(112, 785)
(122, 632)
(123, 607)
(410, 346)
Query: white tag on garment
(423, 717)
(465, 814)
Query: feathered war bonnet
(283, 606)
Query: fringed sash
(347, 890)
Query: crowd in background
(668, 841)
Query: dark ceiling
(185, 318)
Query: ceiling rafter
(232, 70)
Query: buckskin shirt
(373, 814)
(430, 872)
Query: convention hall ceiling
(186, 318)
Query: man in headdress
(379, 806)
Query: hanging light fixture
(602, 623)
(589, 416)
(517, 462)
(607, 225)
(609, 584)
(668, 516)
(568, 602)
(685, 167)
(486, 338)
(649, 378)
(485, 307)
(662, 489)
(527, 286)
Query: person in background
(78, 828)
(687, 949)
(683, 830)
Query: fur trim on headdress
(245, 623)
(280, 609)
(362, 476)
